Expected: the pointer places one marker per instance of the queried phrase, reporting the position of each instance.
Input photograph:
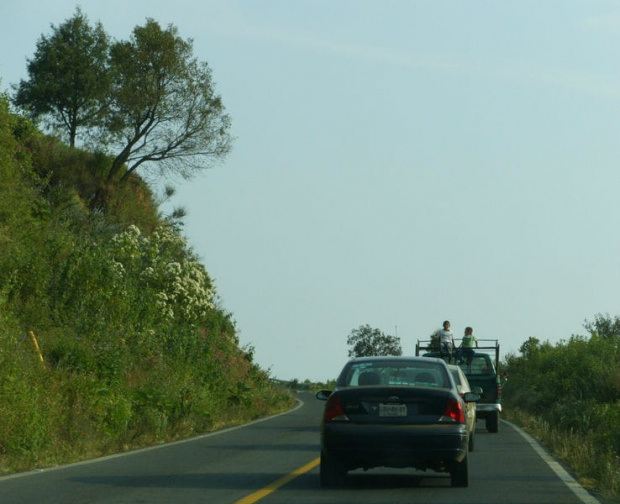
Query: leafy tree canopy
(164, 107)
(68, 78)
(604, 327)
(146, 101)
(366, 341)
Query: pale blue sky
(397, 163)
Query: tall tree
(164, 107)
(366, 341)
(68, 80)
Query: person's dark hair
(469, 329)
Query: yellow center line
(264, 492)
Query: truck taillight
(454, 412)
(333, 410)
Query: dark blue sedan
(394, 412)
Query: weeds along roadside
(596, 469)
(567, 395)
(51, 416)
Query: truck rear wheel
(492, 422)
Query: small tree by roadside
(367, 341)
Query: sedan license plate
(392, 410)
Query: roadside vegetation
(112, 336)
(310, 386)
(568, 396)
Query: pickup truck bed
(481, 372)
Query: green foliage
(133, 202)
(68, 77)
(146, 100)
(596, 469)
(136, 349)
(163, 107)
(579, 369)
(72, 178)
(604, 327)
(60, 165)
(572, 390)
(367, 341)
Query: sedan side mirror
(323, 395)
(471, 397)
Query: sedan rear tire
(460, 473)
(332, 473)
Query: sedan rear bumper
(435, 446)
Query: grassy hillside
(134, 348)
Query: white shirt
(445, 336)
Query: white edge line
(300, 403)
(570, 482)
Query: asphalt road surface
(275, 461)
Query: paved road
(257, 463)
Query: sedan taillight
(454, 412)
(334, 411)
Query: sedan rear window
(388, 373)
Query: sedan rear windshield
(395, 374)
